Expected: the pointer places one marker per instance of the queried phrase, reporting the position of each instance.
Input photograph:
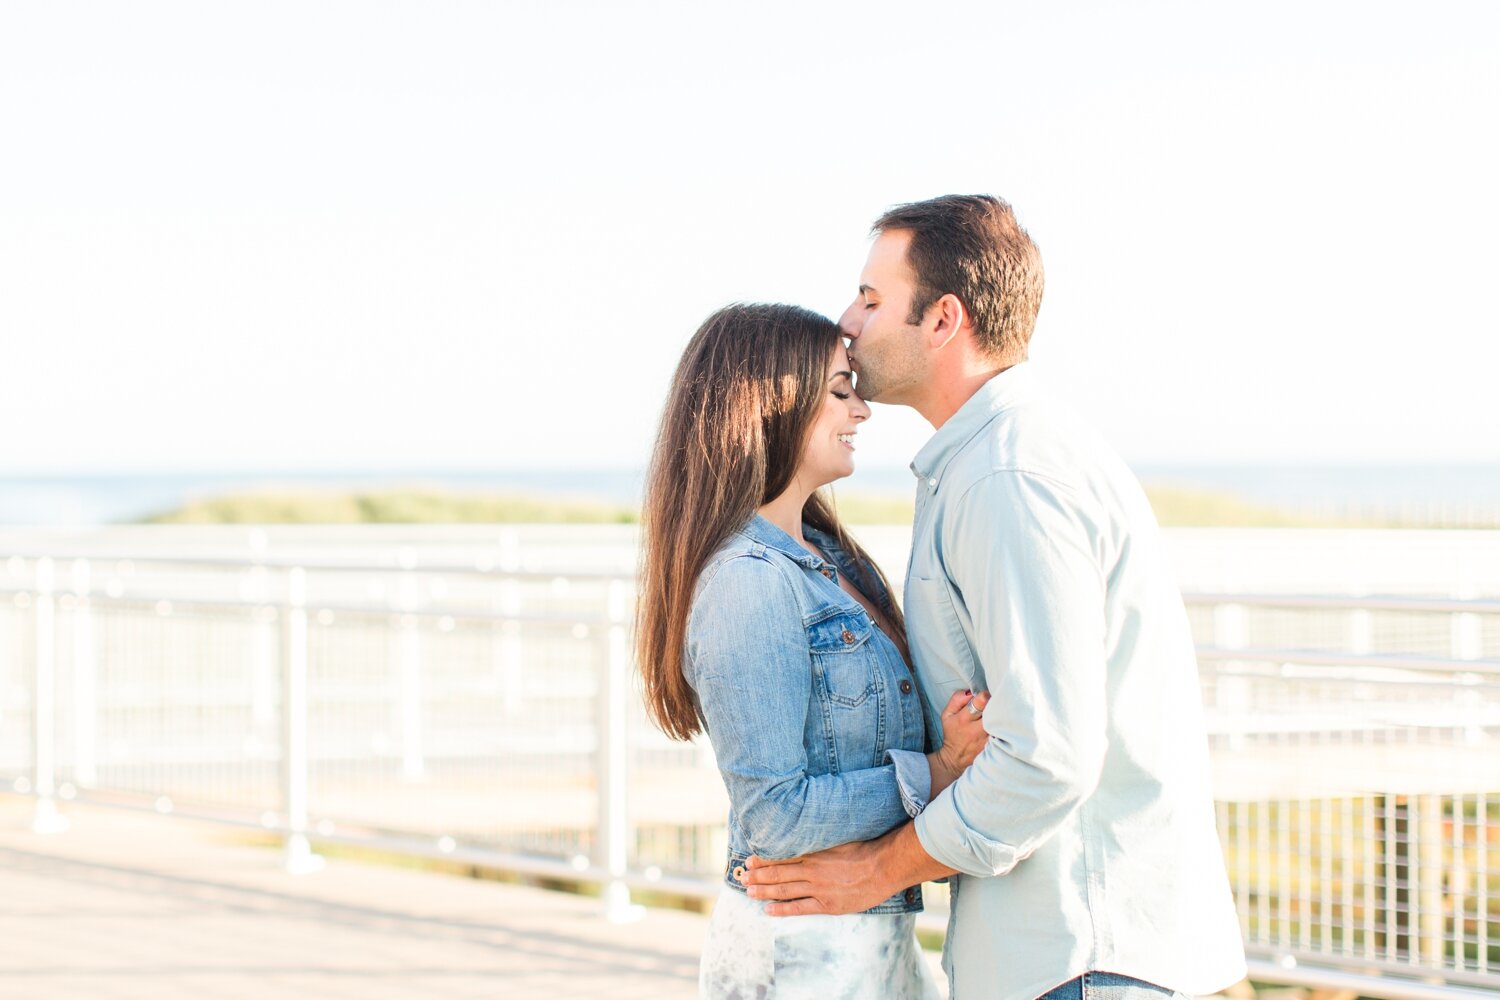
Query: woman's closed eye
(840, 395)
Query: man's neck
(950, 394)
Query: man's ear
(950, 316)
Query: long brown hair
(743, 400)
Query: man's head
(955, 274)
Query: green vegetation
(873, 508)
(395, 506)
(1176, 507)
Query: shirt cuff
(913, 778)
(944, 835)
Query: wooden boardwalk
(127, 905)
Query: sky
(476, 236)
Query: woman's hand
(963, 738)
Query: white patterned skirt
(856, 956)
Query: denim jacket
(814, 717)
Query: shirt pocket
(939, 645)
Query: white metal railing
(483, 711)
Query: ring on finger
(973, 710)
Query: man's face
(887, 352)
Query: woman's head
(828, 445)
(761, 396)
(750, 386)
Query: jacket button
(910, 895)
(906, 687)
(848, 637)
(739, 873)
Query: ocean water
(120, 498)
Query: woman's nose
(859, 409)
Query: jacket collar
(839, 562)
(758, 529)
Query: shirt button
(906, 687)
(827, 571)
(848, 637)
(932, 483)
(910, 895)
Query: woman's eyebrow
(840, 375)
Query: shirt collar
(999, 393)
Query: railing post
(1427, 879)
(511, 674)
(413, 763)
(1232, 694)
(509, 654)
(262, 637)
(44, 706)
(1361, 631)
(1465, 635)
(299, 858)
(613, 746)
(85, 711)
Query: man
(1083, 836)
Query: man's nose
(849, 322)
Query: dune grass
(395, 506)
(1175, 507)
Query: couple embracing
(1030, 729)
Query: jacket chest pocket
(843, 660)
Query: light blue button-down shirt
(1085, 830)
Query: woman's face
(829, 451)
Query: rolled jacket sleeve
(1027, 584)
(750, 663)
(913, 778)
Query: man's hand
(843, 879)
(849, 878)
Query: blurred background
(335, 336)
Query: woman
(763, 624)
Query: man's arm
(847, 879)
(1023, 553)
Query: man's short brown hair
(973, 247)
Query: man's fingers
(780, 890)
(776, 874)
(795, 908)
(759, 862)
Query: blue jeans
(1108, 986)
